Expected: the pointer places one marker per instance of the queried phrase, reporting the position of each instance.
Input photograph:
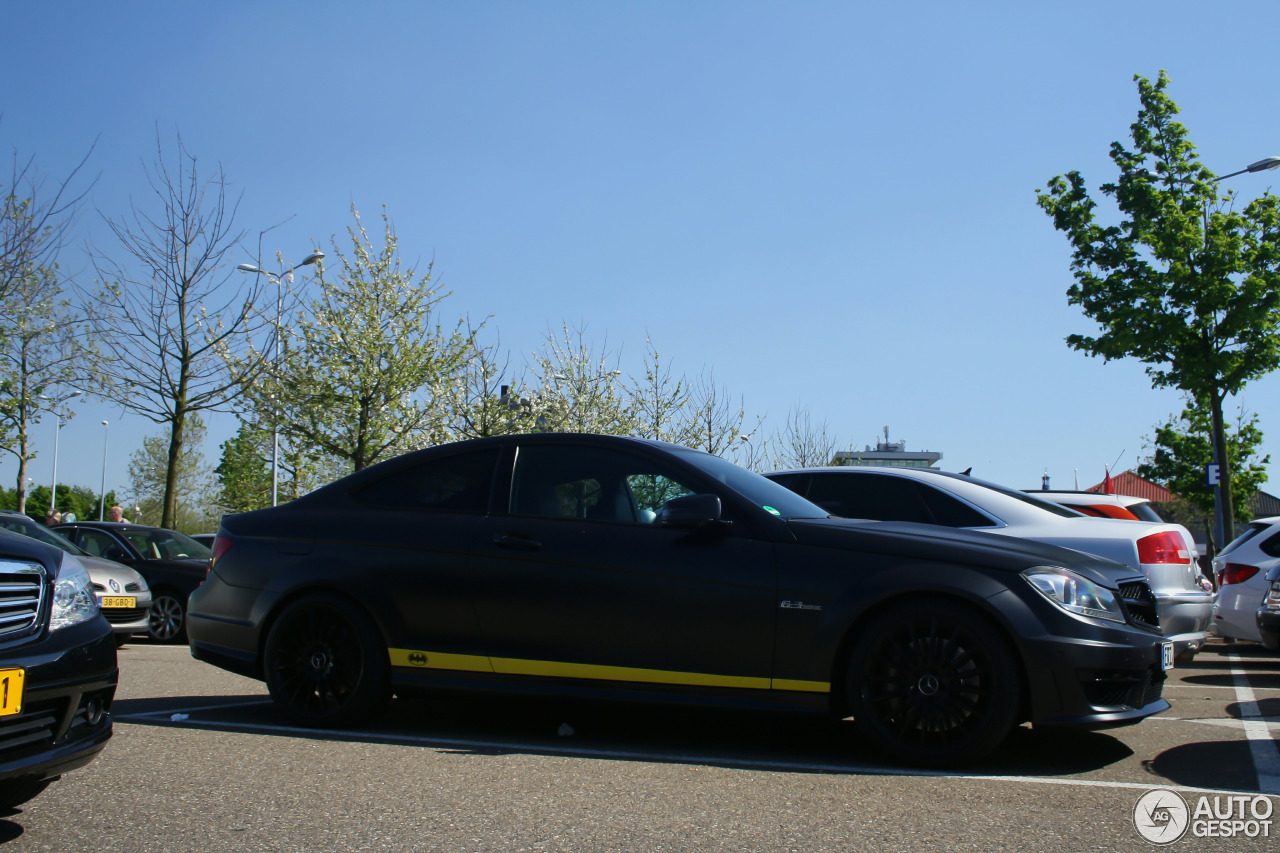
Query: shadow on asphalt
(615, 732)
(1224, 765)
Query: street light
(102, 492)
(275, 279)
(1223, 522)
(57, 431)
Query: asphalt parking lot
(199, 761)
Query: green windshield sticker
(772, 510)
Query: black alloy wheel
(167, 618)
(933, 684)
(325, 663)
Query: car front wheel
(325, 663)
(167, 618)
(933, 684)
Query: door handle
(516, 542)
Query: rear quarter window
(458, 483)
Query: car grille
(121, 615)
(22, 591)
(1140, 604)
(129, 587)
(1122, 688)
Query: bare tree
(171, 306)
(36, 217)
(659, 401)
(801, 444)
(715, 423)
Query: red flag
(1108, 487)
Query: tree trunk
(169, 511)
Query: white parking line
(1266, 758)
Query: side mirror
(691, 512)
(116, 553)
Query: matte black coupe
(603, 566)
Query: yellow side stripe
(557, 669)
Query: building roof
(1129, 483)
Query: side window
(869, 496)
(452, 484)
(590, 483)
(98, 544)
(949, 511)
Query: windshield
(764, 493)
(158, 544)
(35, 530)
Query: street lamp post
(275, 278)
(102, 492)
(57, 431)
(1223, 510)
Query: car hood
(101, 570)
(930, 542)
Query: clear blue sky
(828, 205)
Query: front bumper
(70, 682)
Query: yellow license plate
(11, 681)
(118, 601)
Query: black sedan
(603, 566)
(172, 564)
(57, 668)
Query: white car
(1165, 553)
(1241, 569)
(1102, 505)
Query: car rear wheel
(167, 618)
(933, 684)
(325, 663)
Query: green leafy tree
(660, 401)
(40, 354)
(244, 472)
(1184, 282)
(578, 388)
(1183, 446)
(367, 373)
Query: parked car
(57, 668)
(123, 596)
(1163, 552)
(172, 563)
(205, 539)
(1269, 612)
(1102, 505)
(1242, 570)
(602, 566)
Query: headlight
(73, 598)
(1075, 594)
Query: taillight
(1166, 547)
(221, 545)
(1236, 573)
(1272, 601)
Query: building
(887, 454)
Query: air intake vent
(22, 590)
(1140, 604)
